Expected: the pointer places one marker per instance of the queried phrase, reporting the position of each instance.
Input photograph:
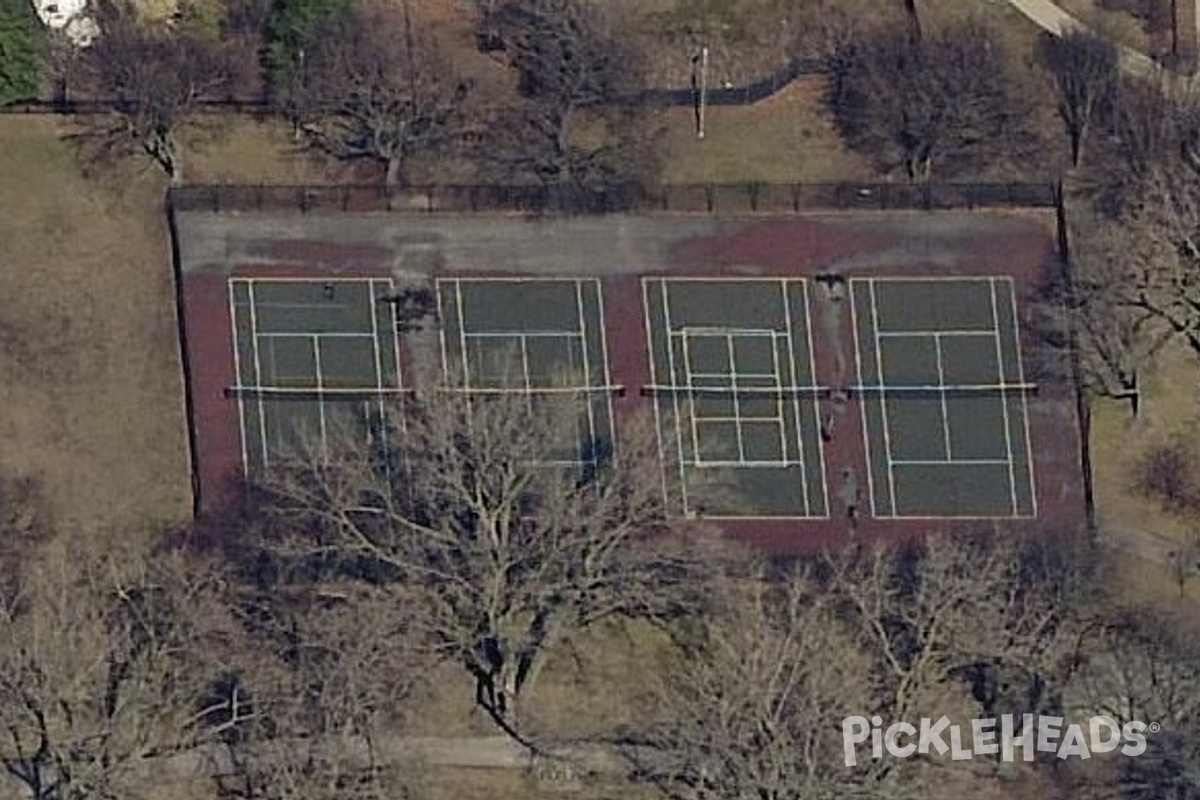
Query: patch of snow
(82, 31)
(69, 16)
(57, 13)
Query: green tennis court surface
(944, 399)
(312, 358)
(940, 384)
(726, 358)
(531, 337)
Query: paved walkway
(1051, 18)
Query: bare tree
(329, 698)
(1142, 667)
(23, 526)
(105, 658)
(371, 87)
(155, 79)
(573, 70)
(966, 627)
(502, 555)
(972, 624)
(1160, 247)
(1084, 68)
(755, 708)
(1088, 317)
(1139, 129)
(946, 101)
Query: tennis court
(534, 337)
(313, 358)
(943, 396)
(940, 383)
(732, 372)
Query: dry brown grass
(244, 149)
(1170, 411)
(1119, 25)
(787, 137)
(601, 685)
(92, 396)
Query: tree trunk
(1076, 134)
(914, 19)
(393, 176)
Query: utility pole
(703, 91)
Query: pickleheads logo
(1101, 734)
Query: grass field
(1170, 411)
(787, 137)
(91, 397)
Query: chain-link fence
(688, 198)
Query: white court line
(754, 420)
(276, 304)
(858, 370)
(724, 376)
(927, 462)
(394, 333)
(306, 334)
(870, 389)
(587, 373)
(602, 332)
(737, 401)
(719, 332)
(316, 345)
(462, 335)
(937, 350)
(258, 376)
(791, 355)
(1008, 447)
(742, 279)
(747, 464)
(931, 279)
(462, 346)
(666, 307)
(949, 333)
(524, 334)
(658, 423)
(237, 371)
(267, 391)
(814, 409)
(693, 416)
(378, 364)
(526, 375)
(515, 279)
(887, 438)
(1012, 296)
(441, 331)
(314, 281)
